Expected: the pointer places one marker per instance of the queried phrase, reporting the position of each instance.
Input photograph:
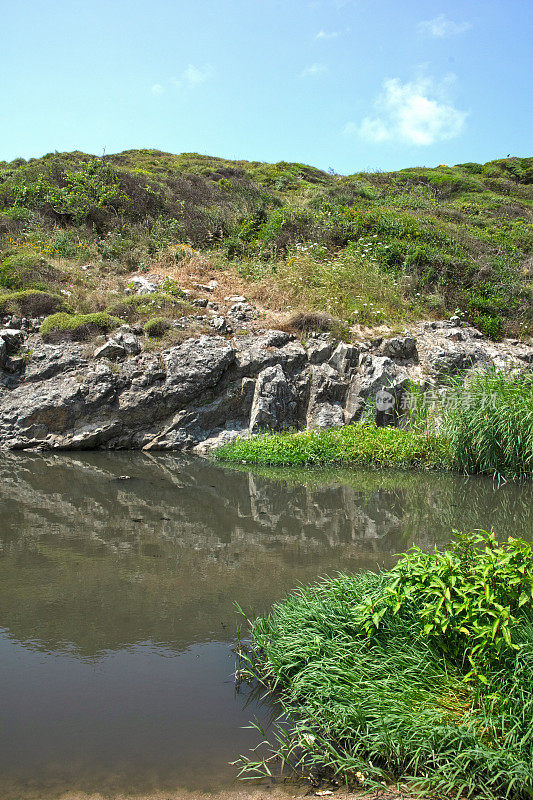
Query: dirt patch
(283, 792)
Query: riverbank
(120, 393)
(419, 675)
(286, 792)
(483, 425)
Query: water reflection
(119, 574)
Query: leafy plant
(467, 597)
(375, 682)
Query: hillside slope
(365, 248)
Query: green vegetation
(421, 674)
(484, 426)
(368, 247)
(363, 444)
(22, 270)
(77, 326)
(157, 326)
(139, 306)
(30, 303)
(488, 424)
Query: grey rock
(378, 374)
(328, 415)
(13, 339)
(208, 390)
(326, 397)
(345, 358)
(275, 403)
(3, 353)
(319, 350)
(400, 347)
(255, 352)
(221, 325)
(111, 350)
(142, 285)
(128, 340)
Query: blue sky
(347, 84)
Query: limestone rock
(345, 358)
(128, 340)
(319, 350)
(379, 374)
(142, 285)
(400, 347)
(326, 397)
(111, 350)
(274, 403)
(12, 339)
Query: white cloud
(157, 89)
(414, 113)
(313, 70)
(440, 27)
(327, 35)
(193, 76)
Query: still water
(117, 600)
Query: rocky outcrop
(210, 389)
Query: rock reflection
(99, 560)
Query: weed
(419, 675)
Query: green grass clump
(31, 303)
(363, 443)
(157, 326)
(489, 425)
(77, 326)
(421, 674)
(145, 305)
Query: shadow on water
(119, 573)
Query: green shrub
(489, 324)
(172, 287)
(31, 303)
(157, 326)
(420, 675)
(77, 326)
(22, 270)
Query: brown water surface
(118, 578)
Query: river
(118, 578)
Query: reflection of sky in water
(118, 599)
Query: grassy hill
(364, 248)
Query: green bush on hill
(27, 270)
(462, 234)
(156, 327)
(77, 326)
(31, 303)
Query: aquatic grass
(489, 424)
(482, 425)
(389, 702)
(362, 443)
